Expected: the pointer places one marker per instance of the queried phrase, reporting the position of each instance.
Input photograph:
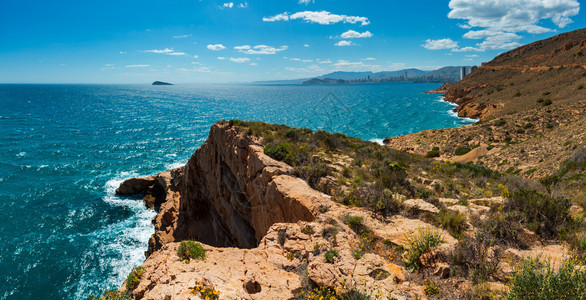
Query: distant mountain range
(445, 74)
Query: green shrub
(330, 254)
(580, 87)
(474, 257)
(431, 287)
(546, 93)
(453, 222)
(462, 150)
(191, 249)
(421, 242)
(518, 94)
(435, 152)
(112, 294)
(312, 173)
(500, 122)
(546, 102)
(355, 223)
(133, 278)
(283, 152)
(537, 279)
(531, 207)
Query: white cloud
(239, 60)
(370, 58)
(137, 66)
(221, 58)
(501, 20)
(320, 17)
(253, 64)
(440, 44)
(182, 36)
(305, 1)
(325, 61)
(351, 34)
(228, 5)
(123, 52)
(472, 55)
(196, 56)
(243, 5)
(196, 69)
(260, 49)
(343, 43)
(216, 47)
(306, 46)
(166, 50)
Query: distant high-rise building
(473, 68)
(463, 73)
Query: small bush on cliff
(420, 242)
(474, 259)
(453, 222)
(330, 254)
(434, 152)
(283, 152)
(537, 279)
(462, 150)
(133, 278)
(112, 294)
(191, 249)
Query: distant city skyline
(191, 41)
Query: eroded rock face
(263, 230)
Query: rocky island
(264, 211)
(161, 83)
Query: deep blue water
(65, 148)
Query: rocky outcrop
(265, 231)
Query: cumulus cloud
(305, 1)
(221, 58)
(370, 58)
(243, 5)
(440, 44)
(343, 43)
(260, 49)
(306, 46)
(196, 56)
(228, 5)
(327, 61)
(320, 17)
(351, 34)
(216, 47)
(239, 60)
(499, 21)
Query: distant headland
(161, 83)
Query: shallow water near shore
(65, 149)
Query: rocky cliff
(268, 235)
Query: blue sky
(191, 41)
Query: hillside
(532, 108)
(548, 71)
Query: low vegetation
(537, 279)
(111, 295)
(188, 250)
(422, 241)
(133, 278)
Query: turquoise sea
(65, 148)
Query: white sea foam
(175, 165)
(378, 141)
(121, 245)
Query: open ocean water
(65, 148)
